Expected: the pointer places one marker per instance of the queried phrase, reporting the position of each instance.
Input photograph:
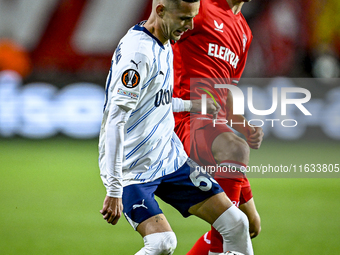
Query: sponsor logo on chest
(218, 27)
(223, 53)
(163, 97)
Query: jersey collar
(139, 27)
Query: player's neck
(151, 26)
(235, 5)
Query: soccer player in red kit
(215, 52)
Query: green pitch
(51, 194)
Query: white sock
(233, 226)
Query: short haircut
(175, 3)
(178, 1)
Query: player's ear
(160, 10)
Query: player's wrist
(115, 189)
(187, 105)
(116, 193)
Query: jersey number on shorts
(199, 177)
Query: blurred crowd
(294, 38)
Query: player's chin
(176, 35)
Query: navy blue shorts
(182, 189)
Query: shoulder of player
(140, 44)
(134, 52)
(245, 23)
(246, 28)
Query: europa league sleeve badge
(130, 78)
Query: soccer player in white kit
(140, 155)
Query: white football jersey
(141, 79)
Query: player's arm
(126, 84)
(180, 105)
(114, 141)
(253, 135)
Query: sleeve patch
(126, 93)
(130, 78)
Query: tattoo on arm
(158, 218)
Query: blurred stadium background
(54, 58)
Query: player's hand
(254, 140)
(112, 209)
(212, 108)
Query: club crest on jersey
(245, 39)
(130, 78)
(218, 27)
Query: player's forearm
(114, 160)
(114, 151)
(180, 105)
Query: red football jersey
(215, 49)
